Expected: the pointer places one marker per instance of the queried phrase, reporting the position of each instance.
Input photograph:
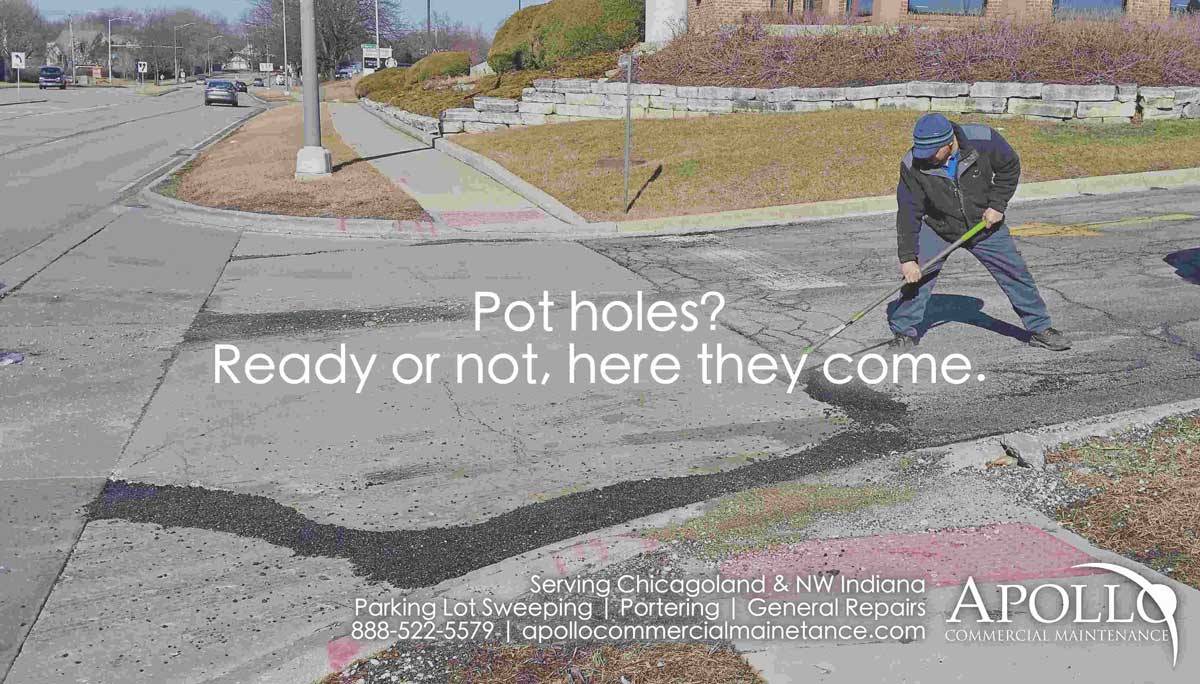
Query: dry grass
(271, 95)
(760, 518)
(743, 161)
(253, 170)
(1146, 505)
(341, 91)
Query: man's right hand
(911, 271)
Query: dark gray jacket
(988, 170)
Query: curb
(886, 204)
(489, 168)
(975, 453)
(21, 102)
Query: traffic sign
(18, 60)
(143, 67)
(373, 52)
(266, 67)
(391, 62)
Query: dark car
(258, 83)
(224, 92)
(343, 74)
(240, 86)
(52, 77)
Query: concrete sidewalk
(456, 195)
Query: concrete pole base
(313, 162)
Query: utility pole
(429, 24)
(313, 160)
(377, 44)
(110, 45)
(175, 48)
(287, 76)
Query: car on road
(221, 91)
(344, 74)
(52, 77)
(258, 83)
(240, 86)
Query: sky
(486, 14)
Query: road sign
(96, 72)
(266, 67)
(376, 52)
(18, 60)
(369, 46)
(391, 62)
(143, 67)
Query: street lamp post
(313, 160)
(110, 45)
(210, 40)
(175, 47)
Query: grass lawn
(743, 161)
(1146, 505)
(763, 517)
(253, 170)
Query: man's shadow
(947, 308)
(1186, 263)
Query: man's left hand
(992, 217)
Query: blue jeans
(999, 256)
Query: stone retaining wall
(560, 100)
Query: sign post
(626, 61)
(18, 62)
(142, 67)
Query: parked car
(224, 92)
(258, 83)
(52, 77)
(343, 74)
(240, 86)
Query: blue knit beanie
(932, 133)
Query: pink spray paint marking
(996, 553)
(398, 226)
(460, 219)
(341, 652)
(341, 225)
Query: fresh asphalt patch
(426, 557)
(210, 326)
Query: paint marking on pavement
(1004, 552)
(767, 271)
(1039, 229)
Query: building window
(791, 5)
(1089, 8)
(969, 8)
(860, 8)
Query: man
(954, 177)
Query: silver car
(224, 92)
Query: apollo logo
(1057, 602)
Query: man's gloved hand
(992, 217)
(911, 271)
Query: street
(295, 500)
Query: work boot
(1050, 339)
(902, 343)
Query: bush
(542, 36)
(1066, 51)
(437, 65)
(441, 64)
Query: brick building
(666, 15)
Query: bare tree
(22, 29)
(342, 26)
